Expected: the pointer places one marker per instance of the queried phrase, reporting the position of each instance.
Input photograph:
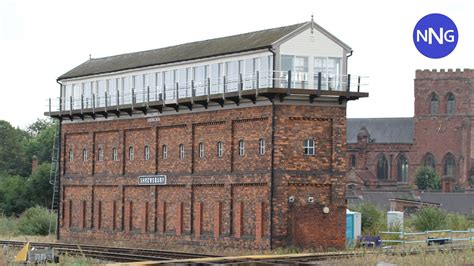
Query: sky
(40, 40)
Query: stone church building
(384, 153)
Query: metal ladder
(53, 178)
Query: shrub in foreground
(35, 221)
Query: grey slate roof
(452, 202)
(183, 52)
(382, 130)
(380, 199)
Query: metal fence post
(319, 81)
(358, 84)
(289, 79)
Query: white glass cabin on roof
(307, 58)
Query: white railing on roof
(171, 92)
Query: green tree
(429, 219)
(13, 159)
(41, 141)
(426, 178)
(14, 196)
(39, 190)
(372, 219)
(35, 221)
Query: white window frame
(115, 154)
(261, 146)
(309, 147)
(100, 154)
(181, 151)
(71, 155)
(164, 152)
(201, 150)
(241, 147)
(131, 153)
(85, 155)
(220, 149)
(146, 152)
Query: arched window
(115, 154)
(450, 104)
(449, 165)
(382, 168)
(428, 160)
(71, 155)
(201, 150)
(402, 168)
(434, 104)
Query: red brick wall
(211, 201)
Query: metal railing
(450, 236)
(172, 92)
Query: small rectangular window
(84, 155)
(220, 149)
(147, 152)
(261, 147)
(201, 150)
(164, 152)
(71, 155)
(131, 153)
(100, 154)
(309, 147)
(241, 147)
(115, 153)
(181, 151)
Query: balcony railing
(169, 93)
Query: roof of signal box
(257, 40)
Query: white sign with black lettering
(152, 180)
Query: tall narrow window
(131, 153)
(201, 150)
(261, 147)
(100, 154)
(382, 168)
(449, 165)
(450, 104)
(71, 155)
(84, 155)
(429, 160)
(181, 151)
(241, 147)
(146, 152)
(115, 153)
(220, 149)
(308, 147)
(402, 168)
(164, 152)
(353, 160)
(434, 104)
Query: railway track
(106, 253)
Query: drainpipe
(59, 164)
(272, 163)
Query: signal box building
(234, 142)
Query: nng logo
(435, 36)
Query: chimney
(34, 164)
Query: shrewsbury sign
(152, 180)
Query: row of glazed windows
(450, 104)
(151, 86)
(449, 165)
(308, 145)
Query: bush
(426, 178)
(372, 219)
(455, 221)
(429, 219)
(8, 226)
(35, 221)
